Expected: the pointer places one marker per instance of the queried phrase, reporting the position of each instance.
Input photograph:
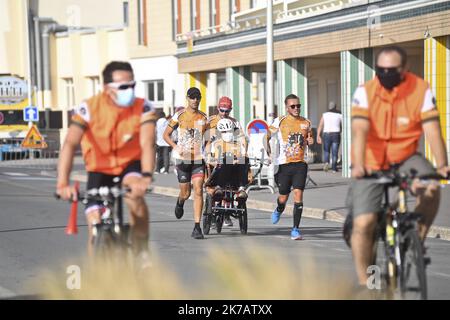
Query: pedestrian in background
(163, 148)
(331, 124)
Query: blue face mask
(125, 98)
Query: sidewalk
(324, 201)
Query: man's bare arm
(147, 142)
(319, 131)
(168, 138)
(432, 130)
(71, 143)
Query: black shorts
(291, 175)
(98, 179)
(187, 170)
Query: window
(155, 90)
(234, 7)
(69, 92)
(93, 85)
(221, 84)
(257, 3)
(174, 19)
(177, 16)
(126, 16)
(213, 13)
(332, 91)
(142, 22)
(193, 14)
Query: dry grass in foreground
(254, 273)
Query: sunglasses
(295, 106)
(122, 86)
(225, 110)
(195, 97)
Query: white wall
(165, 68)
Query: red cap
(225, 102)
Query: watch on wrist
(147, 174)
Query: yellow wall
(79, 56)
(159, 30)
(88, 13)
(117, 49)
(90, 54)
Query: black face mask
(389, 77)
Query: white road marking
(440, 274)
(32, 179)
(15, 174)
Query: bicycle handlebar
(102, 193)
(392, 177)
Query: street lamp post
(269, 63)
(28, 50)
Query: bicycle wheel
(413, 280)
(219, 222)
(207, 222)
(102, 242)
(243, 220)
(207, 216)
(385, 279)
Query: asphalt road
(32, 239)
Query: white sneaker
(162, 170)
(326, 167)
(227, 222)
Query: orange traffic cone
(72, 224)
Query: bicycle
(397, 246)
(111, 232)
(111, 235)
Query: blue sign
(30, 113)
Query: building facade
(323, 50)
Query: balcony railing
(283, 11)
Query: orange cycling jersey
(395, 118)
(292, 134)
(111, 138)
(191, 126)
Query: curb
(436, 232)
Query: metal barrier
(12, 155)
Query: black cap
(194, 93)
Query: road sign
(257, 144)
(13, 90)
(257, 126)
(34, 139)
(30, 113)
